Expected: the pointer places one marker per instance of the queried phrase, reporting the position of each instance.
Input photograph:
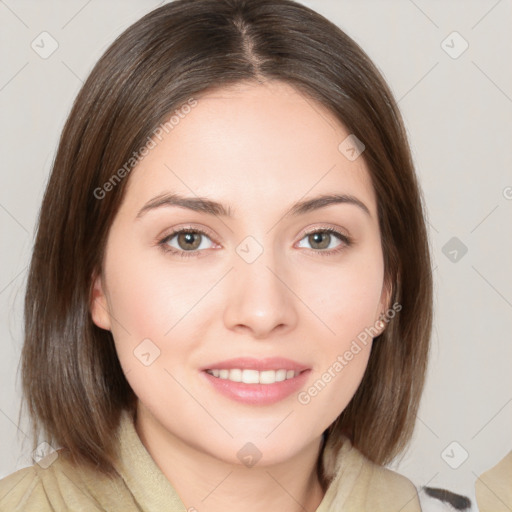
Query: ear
(384, 305)
(99, 305)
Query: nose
(260, 298)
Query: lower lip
(258, 394)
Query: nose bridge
(259, 299)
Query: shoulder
(25, 489)
(54, 483)
(390, 490)
(375, 487)
(493, 489)
(16, 489)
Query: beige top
(358, 485)
(494, 487)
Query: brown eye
(185, 241)
(322, 239)
(188, 240)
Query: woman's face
(266, 283)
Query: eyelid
(162, 239)
(319, 227)
(185, 227)
(345, 239)
(338, 232)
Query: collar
(154, 493)
(149, 486)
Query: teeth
(250, 376)
(254, 376)
(235, 375)
(280, 375)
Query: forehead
(250, 145)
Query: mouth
(249, 376)
(256, 381)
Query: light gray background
(458, 114)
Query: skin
(258, 148)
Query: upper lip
(250, 363)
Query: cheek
(152, 298)
(348, 299)
(149, 297)
(348, 304)
(146, 301)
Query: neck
(206, 483)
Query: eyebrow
(210, 207)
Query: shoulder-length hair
(73, 384)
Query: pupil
(188, 239)
(318, 237)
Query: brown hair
(73, 384)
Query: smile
(255, 387)
(248, 376)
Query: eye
(322, 239)
(185, 241)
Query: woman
(230, 298)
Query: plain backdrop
(448, 65)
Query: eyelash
(187, 254)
